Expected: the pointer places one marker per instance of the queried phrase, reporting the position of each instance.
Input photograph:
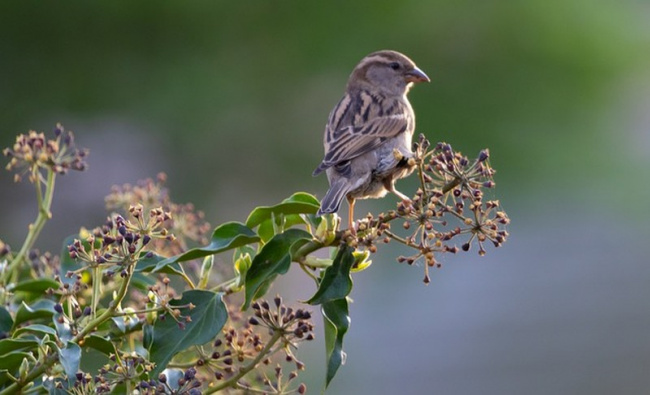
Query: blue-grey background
(230, 99)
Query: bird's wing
(360, 124)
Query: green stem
(423, 184)
(108, 313)
(311, 246)
(44, 213)
(182, 365)
(187, 279)
(450, 185)
(231, 382)
(398, 238)
(97, 284)
(225, 286)
(123, 313)
(304, 269)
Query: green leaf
(8, 345)
(207, 318)
(38, 286)
(11, 361)
(243, 250)
(227, 236)
(63, 329)
(298, 203)
(274, 258)
(125, 324)
(44, 308)
(336, 320)
(263, 289)
(6, 322)
(142, 281)
(58, 386)
(69, 358)
(36, 328)
(332, 293)
(147, 265)
(4, 378)
(267, 229)
(100, 344)
(336, 282)
(147, 336)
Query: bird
(368, 135)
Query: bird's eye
(394, 65)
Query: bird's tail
(334, 196)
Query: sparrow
(368, 135)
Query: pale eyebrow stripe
(372, 59)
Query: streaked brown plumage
(372, 120)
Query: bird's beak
(416, 75)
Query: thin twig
(231, 382)
(44, 214)
(398, 238)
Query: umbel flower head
(449, 205)
(271, 334)
(121, 242)
(186, 223)
(33, 151)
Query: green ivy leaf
(6, 322)
(225, 237)
(100, 344)
(147, 336)
(8, 345)
(63, 329)
(11, 361)
(336, 282)
(332, 293)
(336, 320)
(208, 317)
(69, 358)
(298, 203)
(266, 230)
(143, 281)
(123, 324)
(243, 250)
(263, 289)
(149, 264)
(35, 328)
(274, 258)
(44, 308)
(38, 286)
(4, 378)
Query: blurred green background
(230, 100)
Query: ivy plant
(139, 303)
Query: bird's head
(388, 72)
